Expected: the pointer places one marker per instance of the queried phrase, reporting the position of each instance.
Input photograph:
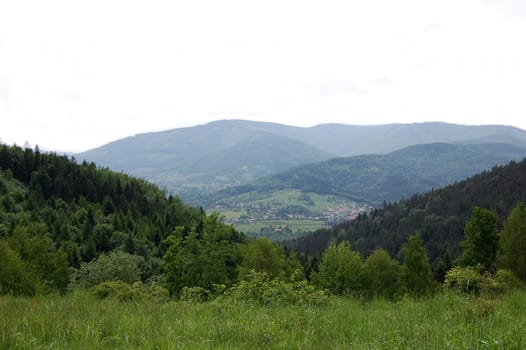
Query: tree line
(65, 225)
(438, 216)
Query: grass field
(446, 321)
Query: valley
(286, 214)
(278, 181)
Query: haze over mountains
(206, 158)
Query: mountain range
(207, 158)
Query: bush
(469, 280)
(194, 294)
(260, 289)
(504, 281)
(115, 289)
(125, 292)
(114, 266)
(465, 279)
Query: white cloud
(82, 74)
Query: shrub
(114, 266)
(504, 281)
(194, 294)
(469, 280)
(125, 292)
(465, 279)
(115, 289)
(260, 289)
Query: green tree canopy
(481, 243)
(416, 271)
(383, 275)
(341, 270)
(207, 255)
(261, 255)
(512, 254)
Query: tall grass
(445, 321)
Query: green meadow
(445, 321)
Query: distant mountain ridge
(226, 153)
(377, 178)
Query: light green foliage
(416, 271)
(49, 266)
(115, 289)
(341, 271)
(465, 279)
(512, 255)
(469, 280)
(194, 294)
(503, 281)
(15, 278)
(481, 243)
(125, 292)
(202, 257)
(260, 289)
(383, 275)
(261, 255)
(114, 266)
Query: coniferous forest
(120, 263)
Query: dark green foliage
(439, 216)
(341, 270)
(56, 214)
(512, 242)
(375, 179)
(481, 243)
(416, 272)
(203, 257)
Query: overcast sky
(78, 74)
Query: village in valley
(288, 212)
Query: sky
(75, 75)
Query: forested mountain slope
(374, 179)
(206, 157)
(438, 216)
(226, 153)
(56, 214)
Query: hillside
(439, 216)
(202, 159)
(374, 179)
(313, 196)
(190, 161)
(56, 215)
